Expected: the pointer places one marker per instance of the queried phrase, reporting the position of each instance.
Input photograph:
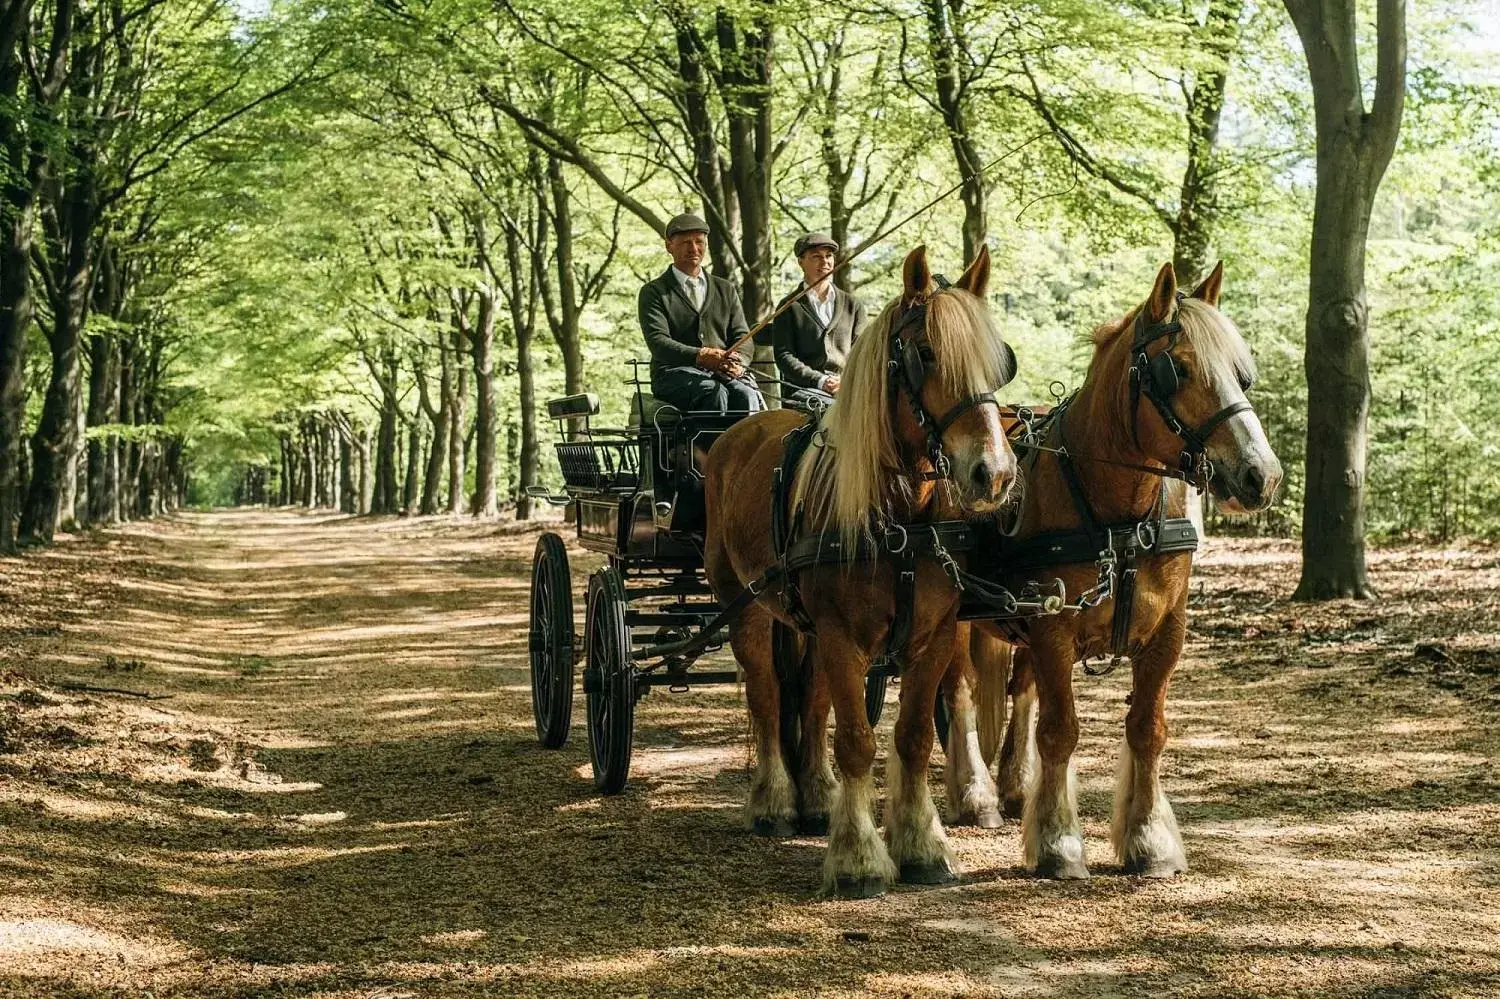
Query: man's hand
(711, 358)
(734, 365)
(831, 384)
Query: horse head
(1189, 374)
(917, 402)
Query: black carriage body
(637, 498)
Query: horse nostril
(1255, 481)
(981, 477)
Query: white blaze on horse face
(1252, 470)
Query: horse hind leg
(1143, 828)
(972, 798)
(1018, 763)
(771, 808)
(816, 783)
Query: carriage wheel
(875, 697)
(611, 683)
(551, 641)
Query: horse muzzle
(1246, 486)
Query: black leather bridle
(909, 356)
(1158, 378)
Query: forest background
(340, 253)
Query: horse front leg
(1144, 830)
(972, 799)
(1051, 833)
(1018, 752)
(912, 827)
(771, 808)
(857, 865)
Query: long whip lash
(980, 172)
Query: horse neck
(1096, 424)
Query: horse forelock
(1216, 341)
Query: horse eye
(1245, 382)
(926, 353)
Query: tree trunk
(104, 384)
(309, 497)
(52, 446)
(458, 428)
(747, 60)
(385, 496)
(413, 464)
(348, 498)
(366, 483)
(485, 500)
(569, 336)
(945, 31)
(1193, 234)
(15, 318)
(1354, 149)
(437, 455)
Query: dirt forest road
(343, 797)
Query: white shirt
(695, 288)
(823, 307)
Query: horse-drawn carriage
(637, 497)
(702, 537)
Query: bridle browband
(1157, 378)
(908, 371)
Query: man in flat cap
(689, 318)
(813, 337)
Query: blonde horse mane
(1218, 346)
(859, 482)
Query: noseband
(909, 355)
(1158, 379)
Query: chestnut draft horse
(1164, 394)
(914, 437)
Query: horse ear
(976, 280)
(916, 276)
(1208, 291)
(1162, 294)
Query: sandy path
(343, 797)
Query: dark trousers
(692, 388)
(808, 400)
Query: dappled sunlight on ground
(341, 794)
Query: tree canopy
(341, 252)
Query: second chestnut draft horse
(1165, 393)
(914, 437)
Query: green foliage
(324, 244)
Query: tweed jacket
(806, 351)
(674, 330)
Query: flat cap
(814, 240)
(686, 222)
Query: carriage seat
(647, 410)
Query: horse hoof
(1057, 868)
(772, 826)
(847, 886)
(1144, 867)
(1013, 808)
(988, 819)
(813, 825)
(928, 872)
